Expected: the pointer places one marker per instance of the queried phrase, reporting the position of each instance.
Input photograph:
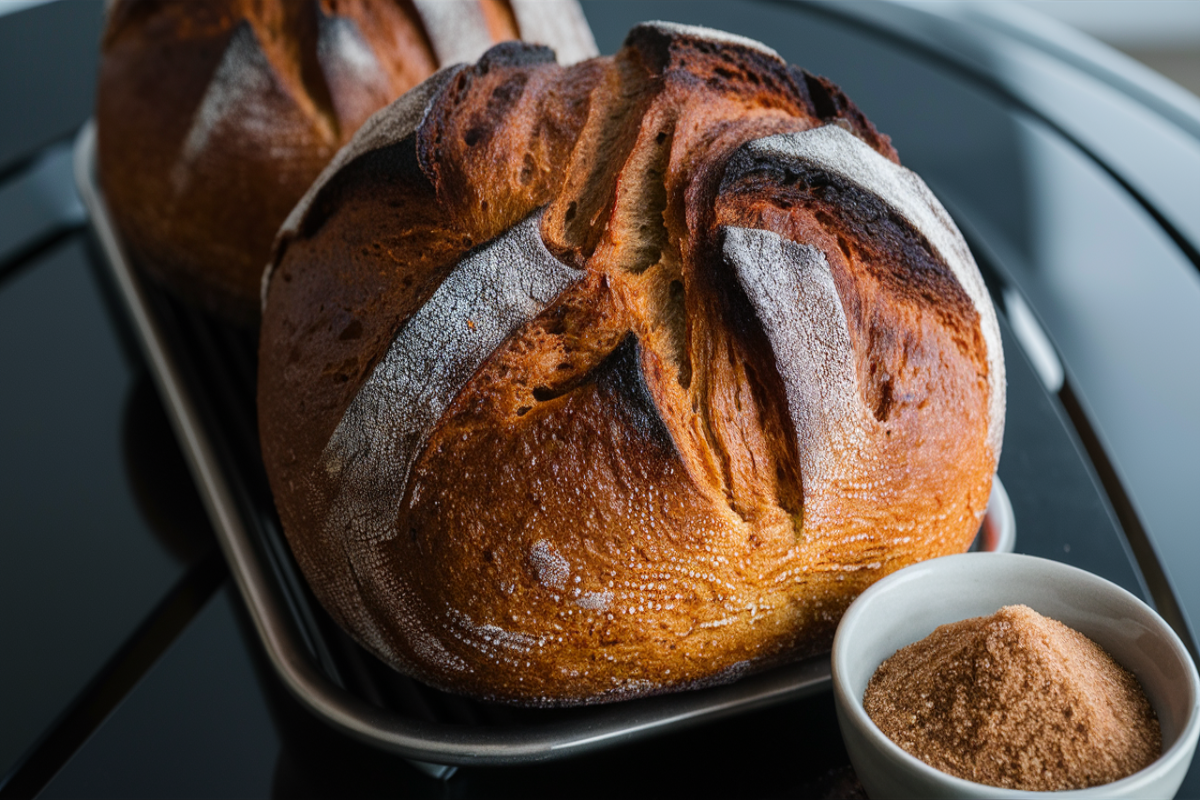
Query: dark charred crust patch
(826, 101)
(505, 68)
(891, 253)
(886, 243)
(753, 73)
(502, 98)
(653, 44)
(620, 376)
(514, 54)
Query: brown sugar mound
(1015, 700)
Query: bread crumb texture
(1015, 700)
(568, 395)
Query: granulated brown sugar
(1015, 700)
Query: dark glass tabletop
(130, 665)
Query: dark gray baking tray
(205, 375)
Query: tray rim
(433, 742)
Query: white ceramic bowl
(906, 606)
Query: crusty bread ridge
(587, 383)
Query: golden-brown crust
(755, 388)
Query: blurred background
(1162, 34)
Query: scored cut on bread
(586, 383)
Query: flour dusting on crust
(833, 149)
(488, 296)
(779, 277)
(490, 293)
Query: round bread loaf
(581, 384)
(214, 117)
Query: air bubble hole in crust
(528, 169)
(676, 323)
(844, 246)
(883, 405)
